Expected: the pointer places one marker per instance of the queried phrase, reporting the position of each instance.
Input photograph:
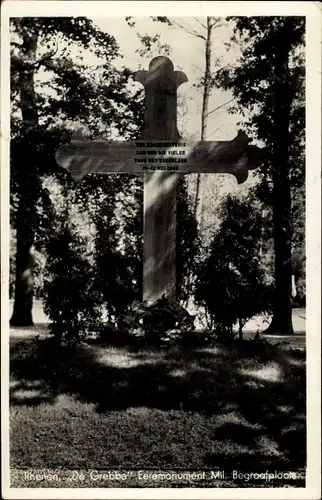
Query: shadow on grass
(257, 392)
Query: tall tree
(205, 99)
(203, 29)
(268, 84)
(75, 93)
(27, 187)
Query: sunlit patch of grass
(284, 408)
(177, 373)
(210, 350)
(14, 384)
(117, 360)
(271, 372)
(268, 446)
(232, 447)
(68, 403)
(24, 394)
(234, 417)
(253, 384)
(121, 358)
(295, 361)
(289, 428)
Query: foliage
(232, 283)
(152, 46)
(188, 243)
(268, 84)
(88, 215)
(254, 84)
(53, 88)
(71, 299)
(118, 244)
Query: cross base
(160, 318)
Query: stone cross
(161, 155)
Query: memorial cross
(161, 155)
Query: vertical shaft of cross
(159, 226)
(159, 230)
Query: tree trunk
(27, 187)
(205, 107)
(240, 329)
(22, 311)
(282, 307)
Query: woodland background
(78, 247)
(204, 399)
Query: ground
(90, 407)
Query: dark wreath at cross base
(164, 319)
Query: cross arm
(234, 157)
(83, 157)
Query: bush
(233, 285)
(69, 296)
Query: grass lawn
(93, 407)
